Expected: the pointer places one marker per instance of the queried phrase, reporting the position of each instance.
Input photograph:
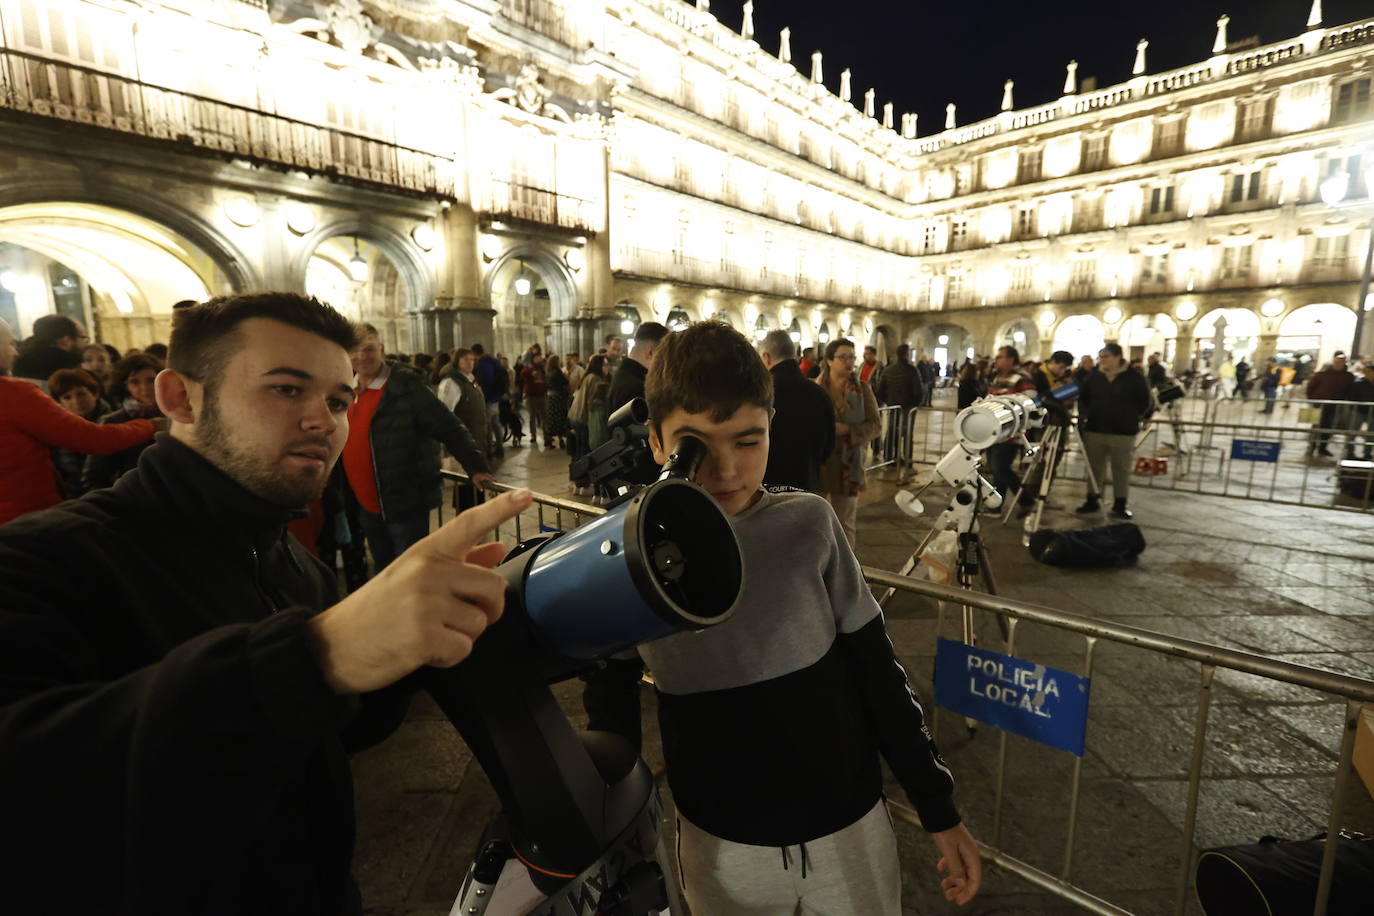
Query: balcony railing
(81, 95)
(664, 265)
(512, 200)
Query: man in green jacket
(392, 455)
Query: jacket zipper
(257, 582)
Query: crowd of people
(193, 693)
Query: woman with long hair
(555, 403)
(598, 385)
(856, 423)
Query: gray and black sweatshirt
(773, 721)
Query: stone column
(1183, 349)
(1268, 346)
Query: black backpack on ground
(1279, 878)
(1106, 545)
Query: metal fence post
(1333, 825)
(1204, 705)
(1090, 643)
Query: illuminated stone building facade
(521, 170)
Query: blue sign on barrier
(1254, 450)
(1044, 704)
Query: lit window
(1235, 263)
(958, 232)
(1245, 187)
(1030, 165)
(1154, 269)
(1162, 200)
(1352, 101)
(954, 287)
(930, 238)
(1022, 278)
(1094, 152)
(1330, 252)
(1025, 222)
(1083, 278)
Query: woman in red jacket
(31, 424)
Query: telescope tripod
(1047, 457)
(972, 566)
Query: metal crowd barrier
(885, 449)
(1199, 457)
(1354, 691)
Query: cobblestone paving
(1288, 581)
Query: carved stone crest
(530, 93)
(350, 27)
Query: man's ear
(174, 396)
(656, 446)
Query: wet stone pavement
(1291, 582)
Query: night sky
(923, 55)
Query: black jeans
(1001, 457)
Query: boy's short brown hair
(707, 367)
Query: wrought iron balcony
(46, 88)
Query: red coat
(31, 424)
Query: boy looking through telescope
(774, 721)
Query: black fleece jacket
(167, 742)
(409, 424)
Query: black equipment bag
(1277, 877)
(1169, 391)
(1102, 546)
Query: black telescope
(579, 809)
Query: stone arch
(114, 269)
(558, 280)
(1239, 336)
(34, 187)
(957, 340)
(1318, 330)
(1145, 333)
(403, 253)
(1081, 335)
(884, 339)
(1023, 334)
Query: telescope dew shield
(664, 561)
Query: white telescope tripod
(983, 424)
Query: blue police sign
(1015, 695)
(1254, 450)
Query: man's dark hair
(49, 329)
(903, 353)
(478, 349)
(609, 338)
(114, 354)
(707, 367)
(650, 332)
(1113, 348)
(205, 338)
(778, 344)
(184, 304)
(158, 350)
(363, 329)
(870, 349)
(128, 366)
(1063, 357)
(1012, 353)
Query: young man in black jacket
(802, 432)
(175, 720)
(1113, 401)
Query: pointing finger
(454, 540)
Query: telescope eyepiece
(686, 459)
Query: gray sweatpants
(1120, 450)
(852, 872)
